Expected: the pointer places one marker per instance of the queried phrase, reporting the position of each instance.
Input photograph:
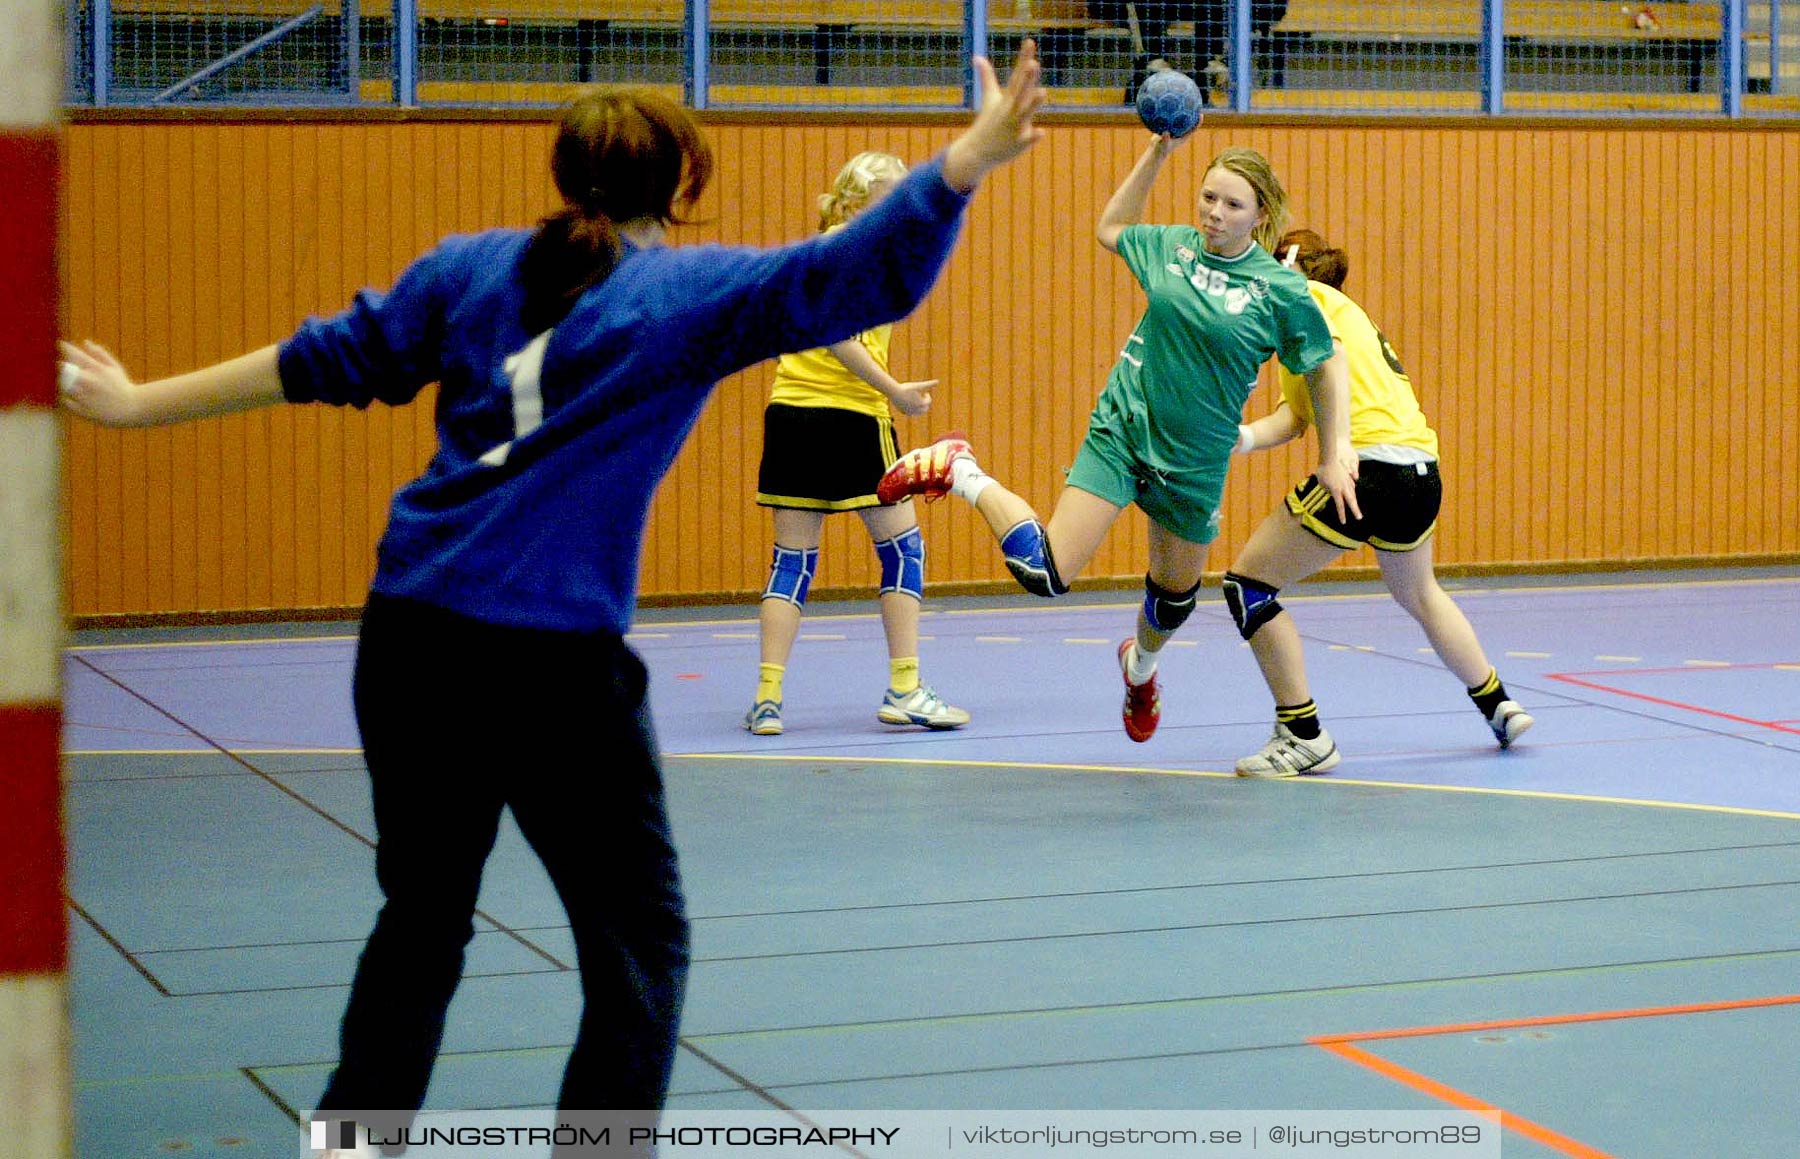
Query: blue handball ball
(1170, 102)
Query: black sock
(1301, 719)
(1488, 694)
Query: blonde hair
(855, 182)
(1271, 198)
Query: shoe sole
(1331, 761)
(904, 718)
(930, 495)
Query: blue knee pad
(790, 574)
(1027, 552)
(1252, 602)
(1167, 610)
(903, 563)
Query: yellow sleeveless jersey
(1383, 408)
(817, 378)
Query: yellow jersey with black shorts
(828, 436)
(1398, 487)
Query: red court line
(1340, 1045)
(1572, 678)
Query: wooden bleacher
(1691, 30)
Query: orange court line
(1536, 1132)
(1340, 1045)
(1558, 1019)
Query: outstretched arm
(874, 270)
(95, 386)
(1003, 129)
(1130, 198)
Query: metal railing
(1320, 55)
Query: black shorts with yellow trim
(823, 458)
(1399, 507)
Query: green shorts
(1186, 506)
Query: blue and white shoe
(921, 706)
(764, 718)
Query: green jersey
(1181, 382)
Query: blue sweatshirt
(550, 447)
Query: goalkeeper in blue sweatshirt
(491, 670)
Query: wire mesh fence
(1363, 56)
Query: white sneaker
(1286, 755)
(920, 706)
(1509, 722)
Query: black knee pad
(1167, 610)
(1252, 602)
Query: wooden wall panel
(1602, 322)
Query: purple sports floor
(1597, 932)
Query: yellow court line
(208, 643)
(1126, 770)
(1121, 770)
(1549, 795)
(961, 764)
(1139, 770)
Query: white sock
(967, 479)
(1139, 664)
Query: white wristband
(1246, 440)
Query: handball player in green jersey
(1163, 430)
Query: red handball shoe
(924, 471)
(1143, 702)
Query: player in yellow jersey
(1399, 492)
(828, 435)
